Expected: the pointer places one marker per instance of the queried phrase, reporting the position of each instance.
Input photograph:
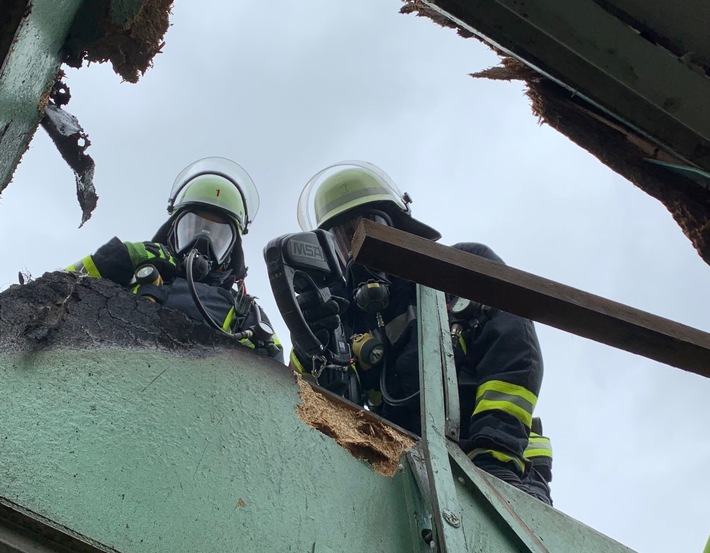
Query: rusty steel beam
(546, 301)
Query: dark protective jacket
(230, 306)
(499, 366)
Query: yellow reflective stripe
(538, 446)
(496, 395)
(507, 388)
(500, 456)
(228, 320)
(295, 362)
(463, 345)
(247, 342)
(374, 397)
(91, 269)
(530, 453)
(85, 267)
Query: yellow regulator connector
(367, 349)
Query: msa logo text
(300, 248)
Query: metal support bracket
(433, 335)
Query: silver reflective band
(192, 225)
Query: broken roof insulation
(67, 311)
(128, 33)
(365, 437)
(680, 180)
(129, 42)
(623, 151)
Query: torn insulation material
(371, 440)
(618, 147)
(129, 45)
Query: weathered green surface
(520, 523)
(153, 452)
(26, 74)
(135, 429)
(474, 511)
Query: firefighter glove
(321, 316)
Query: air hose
(388, 399)
(261, 330)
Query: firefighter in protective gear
(211, 205)
(498, 358)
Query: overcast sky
(287, 88)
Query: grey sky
(285, 89)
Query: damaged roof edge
(38, 37)
(671, 110)
(365, 435)
(625, 131)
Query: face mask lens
(192, 228)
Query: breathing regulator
(465, 314)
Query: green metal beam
(596, 56)
(27, 73)
(474, 511)
(435, 354)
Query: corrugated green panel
(150, 452)
(27, 73)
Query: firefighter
(212, 203)
(497, 355)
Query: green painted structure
(145, 451)
(36, 37)
(105, 447)
(149, 450)
(27, 73)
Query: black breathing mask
(370, 288)
(211, 235)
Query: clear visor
(306, 215)
(344, 231)
(220, 233)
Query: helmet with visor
(212, 203)
(337, 197)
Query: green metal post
(432, 359)
(27, 73)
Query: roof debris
(377, 443)
(71, 141)
(129, 45)
(618, 146)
